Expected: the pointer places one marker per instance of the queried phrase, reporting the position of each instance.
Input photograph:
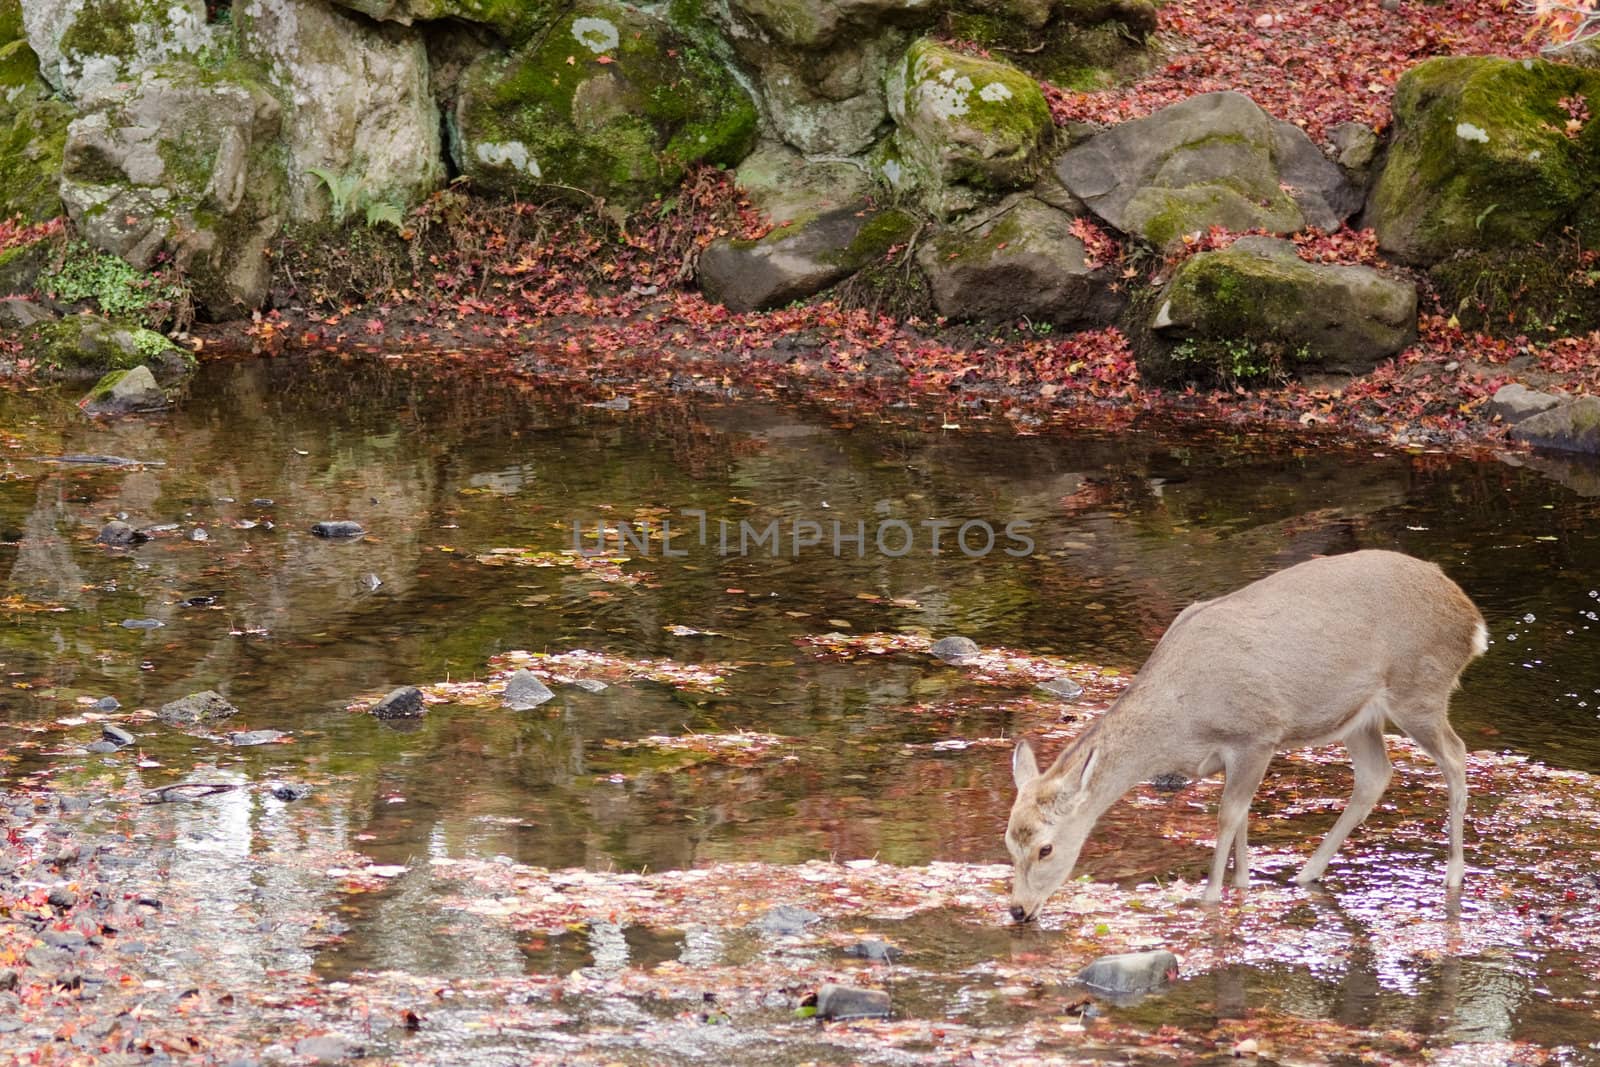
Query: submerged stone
(1131, 972)
(337, 529)
(786, 920)
(290, 791)
(1062, 687)
(118, 533)
(116, 735)
(206, 706)
(874, 949)
(249, 738)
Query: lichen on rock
(611, 100)
(963, 121)
(89, 45)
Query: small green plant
(347, 194)
(119, 290)
(1233, 360)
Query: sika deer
(1330, 649)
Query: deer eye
(1045, 850)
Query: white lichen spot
(1468, 132)
(892, 172)
(509, 154)
(948, 94)
(597, 35)
(1535, 156)
(995, 92)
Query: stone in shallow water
(116, 532)
(847, 1002)
(874, 949)
(200, 707)
(291, 791)
(524, 690)
(340, 529)
(1131, 972)
(101, 747)
(247, 738)
(786, 919)
(106, 704)
(402, 703)
(1063, 687)
(142, 624)
(116, 735)
(951, 649)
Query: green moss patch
(611, 101)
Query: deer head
(1053, 814)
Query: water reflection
(1128, 529)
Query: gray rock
(961, 120)
(402, 703)
(591, 685)
(873, 949)
(213, 216)
(122, 392)
(1062, 687)
(100, 747)
(524, 690)
(1171, 781)
(847, 1002)
(357, 103)
(785, 186)
(8, 980)
(250, 738)
(76, 56)
(1022, 261)
(1306, 316)
(800, 259)
(63, 897)
(206, 706)
(116, 735)
(1355, 145)
(289, 791)
(106, 704)
(786, 920)
(338, 529)
(1515, 402)
(19, 312)
(83, 346)
(142, 624)
(1130, 972)
(118, 533)
(1571, 427)
(954, 649)
(1212, 160)
(329, 1048)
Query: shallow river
(1118, 533)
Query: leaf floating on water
(690, 631)
(605, 568)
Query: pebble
(402, 703)
(142, 624)
(340, 528)
(106, 704)
(954, 649)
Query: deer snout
(1020, 914)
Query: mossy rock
(611, 101)
(1256, 308)
(87, 46)
(88, 346)
(1081, 46)
(1481, 157)
(1540, 291)
(1216, 159)
(802, 258)
(33, 137)
(1022, 261)
(965, 120)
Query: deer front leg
(1244, 772)
(1370, 759)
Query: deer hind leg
(1432, 731)
(1371, 762)
(1244, 772)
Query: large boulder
(1482, 156)
(610, 100)
(33, 137)
(1022, 261)
(88, 346)
(963, 121)
(1212, 160)
(830, 102)
(1569, 427)
(89, 45)
(1257, 307)
(182, 162)
(358, 105)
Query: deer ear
(1086, 776)
(1024, 768)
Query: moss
(610, 101)
(33, 138)
(102, 28)
(1480, 158)
(1068, 53)
(880, 233)
(1164, 216)
(11, 28)
(1552, 290)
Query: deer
(1329, 649)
